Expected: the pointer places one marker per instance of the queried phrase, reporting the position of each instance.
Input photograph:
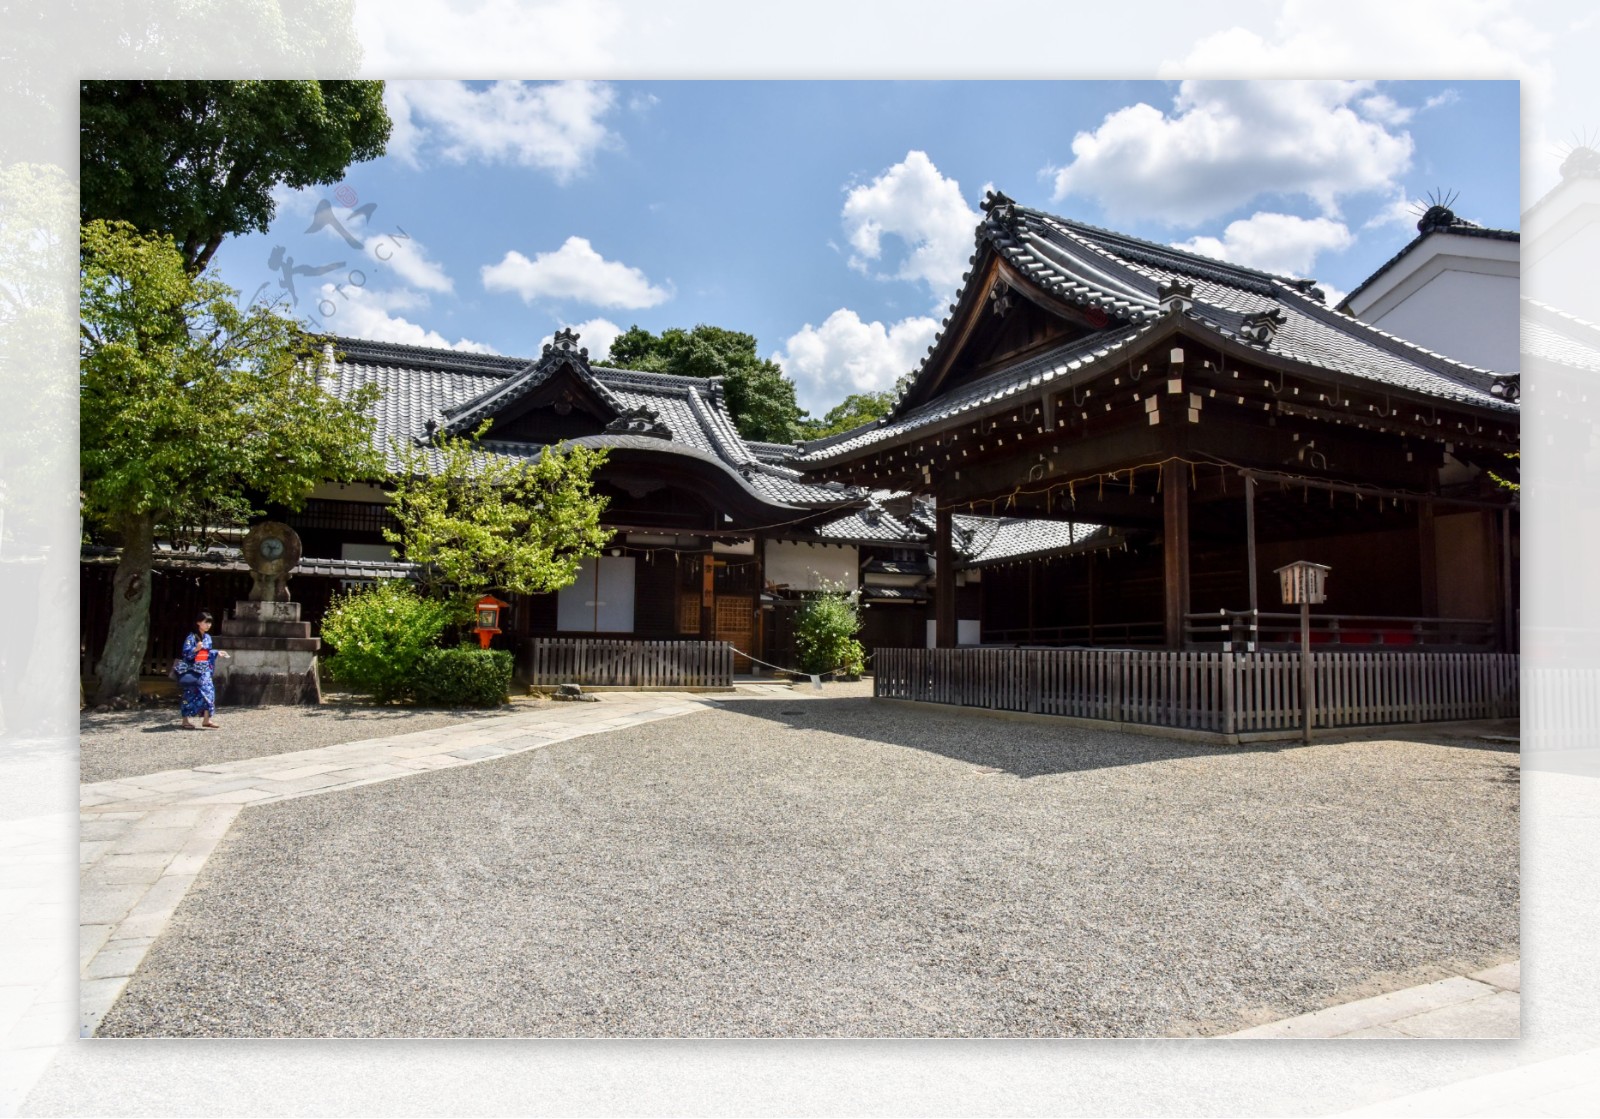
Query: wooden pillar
(944, 588)
(1092, 592)
(1508, 600)
(758, 629)
(1032, 600)
(1175, 548)
(1250, 538)
(1428, 559)
(708, 597)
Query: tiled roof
(420, 385)
(871, 525)
(461, 418)
(893, 594)
(770, 452)
(988, 540)
(1225, 293)
(230, 559)
(1121, 276)
(1026, 377)
(1554, 336)
(897, 567)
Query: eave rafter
(1022, 439)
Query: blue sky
(832, 220)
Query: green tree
(198, 160)
(759, 397)
(480, 521)
(856, 409)
(187, 404)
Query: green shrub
(825, 634)
(465, 676)
(378, 635)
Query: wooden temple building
(1111, 445)
(1215, 423)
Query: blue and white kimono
(199, 689)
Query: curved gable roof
(1122, 278)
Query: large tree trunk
(129, 634)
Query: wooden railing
(1229, 693)
(633, 664)
(1120, 634)
(1260, 629)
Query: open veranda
(780, 863)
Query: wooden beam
(1175, 548)
(944, 588)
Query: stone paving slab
(145, 839)
(1462, 1006)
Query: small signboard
(1304, 582)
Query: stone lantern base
(272, 656)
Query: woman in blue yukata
(199, 690)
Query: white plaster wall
(1470, 316)
(801, 566)
(968, 632)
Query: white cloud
(1382, 107)
(410, 261)
(366, 313)
(1278, 243)
(915, 203)
(1438, 100)
(1401, 209)
(845, 355)
(1227, 143)
(596, 336)
(573, 272)
(556, 127)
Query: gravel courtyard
(797, 865)
(115, 744)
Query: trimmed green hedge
(465, 676)
(378, 635)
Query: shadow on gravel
(1023, 749)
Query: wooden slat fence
(1225, 692)
(633, 664)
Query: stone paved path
(142, 840)
(1485, 1004)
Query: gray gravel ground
(148, 739)
(788, 866)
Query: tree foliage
(759, 397)
(856, 409)
(482, 521)
(189, 408)
(188, 404)
(198, 160)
